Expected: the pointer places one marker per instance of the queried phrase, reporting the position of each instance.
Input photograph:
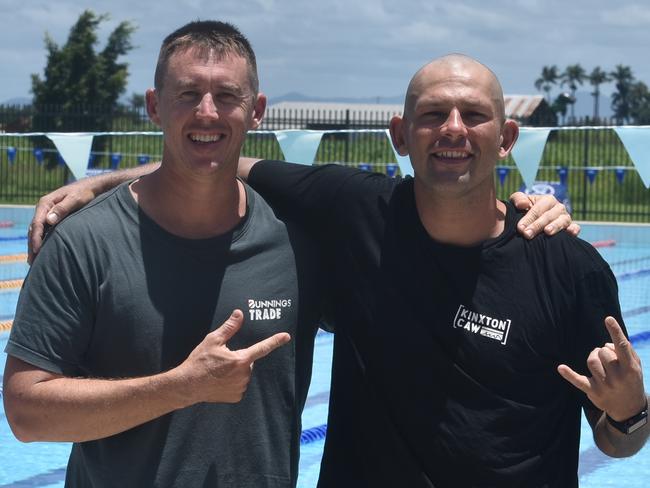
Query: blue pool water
(43, 464)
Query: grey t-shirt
(113, 295)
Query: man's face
(453, 129)
(204, 108)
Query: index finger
(37, 228)
(266, 346)
(622, 345)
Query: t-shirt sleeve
(596, 298)
(53, 321)
(302, 193)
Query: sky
(351, 48)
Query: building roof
(517, 106)
(521, 106)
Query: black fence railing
(601, 180)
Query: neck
(460, 219)
(194, 208)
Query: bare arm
(42, 406)
(613, 442)
(615, 387)
(56, 205)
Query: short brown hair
(208, 37)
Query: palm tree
(596, 78)
(624, 79)
(573, 75)
(548, 78)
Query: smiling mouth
(205, 138)
(452, 155)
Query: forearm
(616, 444)
(104, 182)
(244, 167)
(79, 409)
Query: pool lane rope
(10, 284)
(13, 258)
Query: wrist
(631, 424)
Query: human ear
(151, 100)
(509, 134)
(396, 128)
(259, 106)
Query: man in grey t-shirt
(125, 341)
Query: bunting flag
(143, 158)
(502, 171)
(620, 174)
(391, 169)
(74, 150)
(527, 152)
(11, 154)
(563, 173)
(637, 143)
(38, 154)
(365, 166)
(115, 160)
(591, 174)
(404, 162)
(299, 146)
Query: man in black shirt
(451, 328)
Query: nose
(454, 127)
(206, 107)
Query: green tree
(77, 77)
(624, 79)
(547, 79)
(596, 78)
(573, 75)
(640, 103)
(560, 104)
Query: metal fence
(601, 180)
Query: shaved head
(455, 68)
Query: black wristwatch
(633, 423)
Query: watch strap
(632, 424)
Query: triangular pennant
(527, 152)
(591, 174)
(299, 146)
(75, 150)
(11, 154)
(637, 143)
(620, 174)
(404, 162)
(502, 171)
(563, 173)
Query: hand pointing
(217, 374)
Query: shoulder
(101, 217)
(569, 253)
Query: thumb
(230, 327)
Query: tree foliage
(76, 75)
(624, 81)
(573, 75)
(549, 77)
(596, 78)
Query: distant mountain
(18, 101)
(585, 105)
(299, 97)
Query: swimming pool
(43, 464)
